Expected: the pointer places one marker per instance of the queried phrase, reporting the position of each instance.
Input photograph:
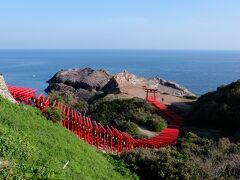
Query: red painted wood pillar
(64, 113)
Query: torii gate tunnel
(104, 138)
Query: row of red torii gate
(104, 138)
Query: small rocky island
(88, 84)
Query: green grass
(33, 147)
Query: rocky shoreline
(87, 84)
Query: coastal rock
(125, 82)
(88, 83)
(4, 90)
(84, 83)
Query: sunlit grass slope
(32, 147)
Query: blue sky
(122, 24)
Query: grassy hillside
(32, 147)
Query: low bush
(124, 114)
(190, 97)
(133, 129)
(219, 159)
(54, 115)
(164, 163)
(82, 106)
(195, 158)
(64, 97)
(120, 112)
(155, 124)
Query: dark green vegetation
(219, 109)
(68, 98)
(65, 98)
(209, 156)
(54, 115)
(215, 117)
(195, 158)
(165, 163)
(33, 148)
(127, 114)
(124, 114)
(218, 159)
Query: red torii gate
(22, 94)
(151, 91)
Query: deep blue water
(199, 71)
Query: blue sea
(199, 71)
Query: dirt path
(129, 92)
(144, 131)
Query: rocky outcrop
(88, 83)
(84, 83)
(4, 90)
(125, 81)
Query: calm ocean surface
(199, 71)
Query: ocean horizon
(198, 70)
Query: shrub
(164, 163)
(65, 97)
(119, 112)
(219, 159)
(155, 124)
(82, 106)
(54, 95)
(54, 115)
(218, 109)
(132, 129)
(190, 97)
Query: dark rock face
(85, 83)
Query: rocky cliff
(124, 82)
(4, 90)
(88, 83)
(85, 83)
